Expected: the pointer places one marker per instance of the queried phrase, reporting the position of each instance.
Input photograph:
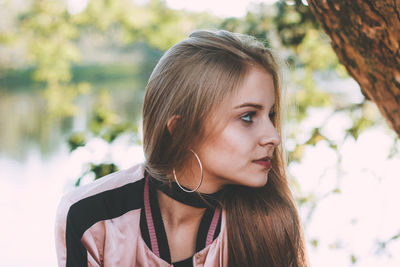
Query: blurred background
(72, 79)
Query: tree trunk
(365, 35)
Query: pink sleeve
(78, 253)
(60, 228)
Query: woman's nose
(270, 135)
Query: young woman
(213, 190)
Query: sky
(233, 8)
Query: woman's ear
(171, 123)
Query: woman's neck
(177, 213)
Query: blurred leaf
(315, 137)
(394, 150)
(258, 22)
(103, 169)
(359, 125)
(7, 38)
(316, 53)
(78, 181)
(116, 130)
(293, 21)
(337, 191)
(76, 140)
(314, 243)
(310, 198)
(353, 259)
(297, 154)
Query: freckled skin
(248, 135)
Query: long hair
(191, 80)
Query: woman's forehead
(257, 89)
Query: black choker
(195, 199)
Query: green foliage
(394, 149)
(315, 52)
(76, 140)
(293, 21)
(363, 118)
(50, 34)
(99, 170)
(381, 245)
(297, 154)
(153, 23)
(353, 259)
(257, 23)
(103, 169)
(7, 38)
(314, 243)
(315, 137)
(106, 125)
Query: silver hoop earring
(201, 180)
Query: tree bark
(365, 35)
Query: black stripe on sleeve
(88, 211)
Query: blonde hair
(191, 80)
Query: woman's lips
(265, 163)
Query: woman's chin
(255, 182)
(252, 180)
(261, 183)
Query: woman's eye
(248, 117)
(272, 115)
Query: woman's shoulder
(105, 199)
(105, 194)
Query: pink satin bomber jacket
(100, 224)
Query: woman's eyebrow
(257, 106)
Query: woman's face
(239, 153)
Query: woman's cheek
(237, 142)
